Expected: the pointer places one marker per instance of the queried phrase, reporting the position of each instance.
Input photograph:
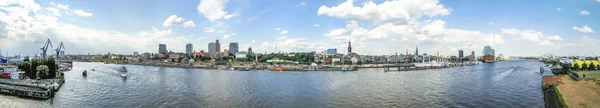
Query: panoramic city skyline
(527, 28)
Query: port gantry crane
(60, 48)
(45, 48)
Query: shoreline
(286, 67)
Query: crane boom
(45, 48)
(60, 48)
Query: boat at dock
(276, 69)
(244, 69)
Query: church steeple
(417, 50)
(349, 47)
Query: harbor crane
(45, 48)
(60, 48)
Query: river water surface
(514, 83)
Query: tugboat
(123, 73)
(84, 73)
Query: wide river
(510, 84)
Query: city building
(189, 48)
(488, 54)
(135, 54)
(241, 55)
(417, 50)
(460, 54)
(233, 48)
(212, 47)
(225, 53)
(349, 47)
(332, 51)
(249, 50)
(218, 46)
(162, 48)
(175, 55)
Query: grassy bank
(578, 93)
(560, 98)
(589, 74)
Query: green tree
(584, 66)
(576, 66)
(592, 66)
(172, 60)
(179, 59)
(42, 71)
(347, 62)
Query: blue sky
(512, 27)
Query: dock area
(41, 89)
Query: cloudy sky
(512, 27)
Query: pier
(41, 89)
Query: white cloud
(282, 38)
(397, 11)
(316, 25)
(189, 24)
(490, 23)
(226, 36)
(229, 16)
(532, 35)
(597, 0)
(61, 6)
(78, 39)
(253, 41)
(82, 13)
(174, 20)
(558, 9)
(283, 32)
(585, 29)
(584, 12)
(209, 30)
(54, 11)
(213, 9)
(555, 37)
(302, 4)
(352, 24)
(277, 29)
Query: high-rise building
(189, 48)
(226, 52)
(488, 51)
(250, 50)
(417, 50)
(332, 51)
(473, 53)
(488, 54)
(212, 47)
(218, 46)
(349, 47)
(233, 47)
(162, 48)
(460, 54)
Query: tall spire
(417, 50)
(349, 47)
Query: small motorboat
(245, 69)
(84, 73)
(123, 71)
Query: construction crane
(45, 48)
(60, 48)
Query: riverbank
(584, 93)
